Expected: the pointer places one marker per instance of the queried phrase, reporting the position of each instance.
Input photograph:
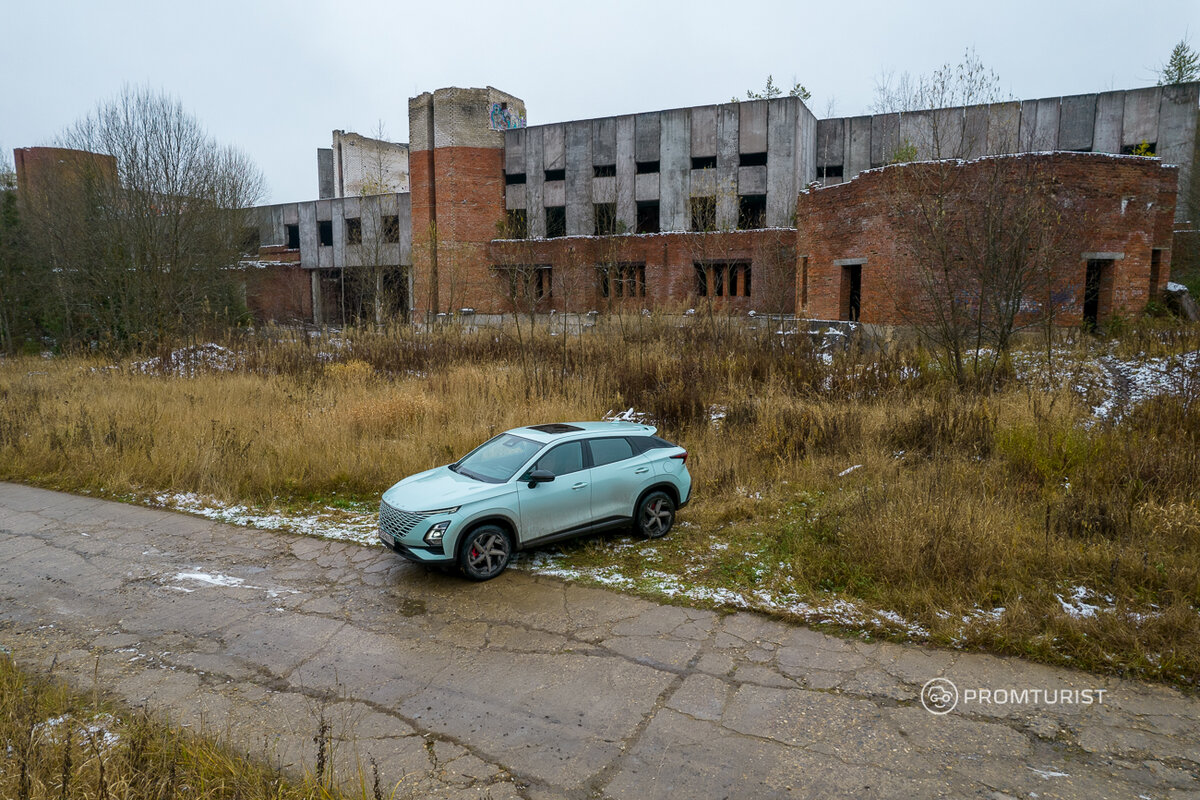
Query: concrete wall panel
(1140, 119)
(704, 131)
(831, 143)
(916, 129)
(555, 193)
(647, 132)
(703, 183)
(752, 126)
(675, 167)
(404, 212)
(728, 122)
(1110, 113)
(339, 233)
(580, 216)
(324, 172)
(1177, 133)
(947, 141)
(885, 138)
(858, 146)
(554, 149)
(535, 199)
(806, 149)
(1004, 127)
(781, 163)
(975, 125)
(604, 141)
(645, 187)
(514, 151)
(1045, 133)
(752, 180)
(604, 190)
(625, 180)
(1077, 122)
(309, 243)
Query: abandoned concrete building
(754, 205)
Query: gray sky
(275, 78)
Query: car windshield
(497, 460)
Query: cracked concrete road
(530, 687)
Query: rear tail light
(681, 456)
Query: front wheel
(485, 553)
(655, 515)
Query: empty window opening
(391, 228)
(804, 281)
(604, 170)
(752, 211)
(556, 174)
(704, 162)
(723, 279)
(556, 221)
(701, 281)
(325, 232)
(606, 219)
(830, 171)
(293, 236)
(542, 283)
(514, 178)
(852, 292)
(1139, 149)
(752, 159)
(528, 282)
(718, 279)
(647, 216)
(353, 230)
(645, 167)
(622, 280)
(1099, 273)
(704, 213)
(1155, 268)
(516, 224)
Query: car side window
(609, 451)
(563, 459)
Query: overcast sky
(275, 78)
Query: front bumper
(420, 554)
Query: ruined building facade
(749, 206)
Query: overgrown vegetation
(66, 745)
(1005, 516)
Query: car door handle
(579, 486)
(641, 470)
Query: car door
(558, 505)
(618, 477)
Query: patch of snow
(1046, 774)
(211, 580)
(848, 470)
(1076, 607)
(186, 362)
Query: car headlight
(435, 534)
(450, 510)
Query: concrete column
(727, 166)
(675, 167)
(626, 205)
(315, 282)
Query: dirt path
(530, 687)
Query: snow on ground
(185, 362)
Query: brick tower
(456, 167)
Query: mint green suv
(532, 486)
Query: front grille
(397, 523)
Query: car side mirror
(539, 476)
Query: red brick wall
(669, 260)
(43, 173)
(1109, 204)
(280, 290)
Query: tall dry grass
(1008, 496)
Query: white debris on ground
(211, 580)
(331, 523)
(185, 362)
(96, 729)
(848, 470)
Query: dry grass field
(1055, 516)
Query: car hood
(440, 487)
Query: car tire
(485, 553)
(655, 515)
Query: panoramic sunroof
(555, 427)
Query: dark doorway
(852, 292)
(1091, 293)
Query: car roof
(561, 431)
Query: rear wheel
(655, 515)
(485, 553)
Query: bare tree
(142, 229)
(985, 242)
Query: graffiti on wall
(504, 118)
